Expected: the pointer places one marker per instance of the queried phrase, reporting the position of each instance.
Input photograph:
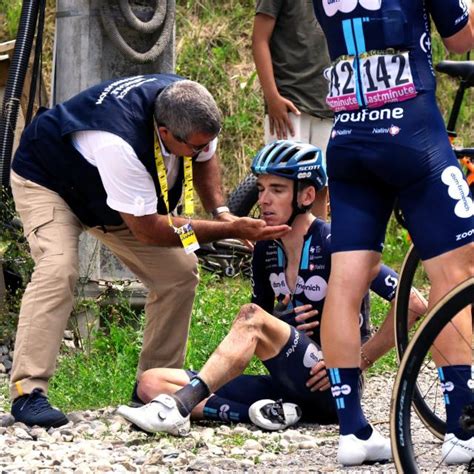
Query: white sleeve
(128, 184)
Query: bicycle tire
(434, 423)
(244, 198)
(405, 382)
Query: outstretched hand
(247, 228)
(228, 217)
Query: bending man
(112, 161)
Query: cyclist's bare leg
(445, 272)
(165, 380)
(351, 274)
(253, 332)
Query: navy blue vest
(124, 107)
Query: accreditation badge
(188, 238)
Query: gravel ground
(100, 441)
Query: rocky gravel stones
(101, 441)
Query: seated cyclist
(293, 272)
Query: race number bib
(376, 80)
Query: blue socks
(345, 391)
(457, 387)
(227, 411)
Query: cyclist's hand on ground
(280, 123)
(318, 379)
(303, 313)
(247, 228)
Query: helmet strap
(297, 209)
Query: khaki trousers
(53, 231)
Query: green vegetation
(9, 18)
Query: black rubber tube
(14, 86)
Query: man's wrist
(219, 210)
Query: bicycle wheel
(406, 453)
(428, 402)
(242, 201)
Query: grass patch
(104, 374)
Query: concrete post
(85, 56)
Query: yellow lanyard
(186, 234)
(188, 182)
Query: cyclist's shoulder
(320, 230)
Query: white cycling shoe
(160, 415)
(274, 415)
(353, 451)
(457, 451)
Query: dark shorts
(289, 372)
(400, 151)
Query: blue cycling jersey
(269, 281)
(381, 50)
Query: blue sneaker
(34, 409)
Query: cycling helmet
(292, 160)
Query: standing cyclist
(389, 142)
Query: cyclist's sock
(223, 409)
(191, 394)
(455, 384)
(345, 391)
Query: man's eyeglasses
(195, 148)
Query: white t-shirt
(128, 184)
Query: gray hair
(186, 107)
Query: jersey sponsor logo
(294, 344)
(312, 356)
(470, 384)
(343, 131)
(391, 282)
(447, 387)
(315, 266)
(464, 235)
(331, 7)
(392, 130)
(338, 390)
(314, 288)
(278, 283)
(224, 412)
(370, 115)
(425, 42)
(458, 190)
(465, 12)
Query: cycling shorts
(400, 151)
(289, 372)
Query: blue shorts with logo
(289, 372)
(399, 151)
